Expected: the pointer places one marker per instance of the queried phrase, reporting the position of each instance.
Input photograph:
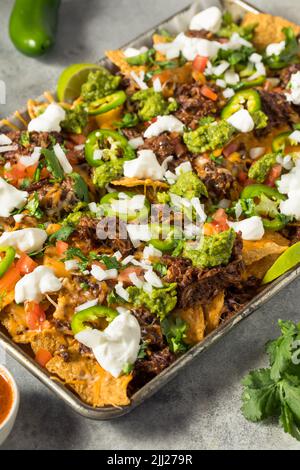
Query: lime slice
(286, 261)
(71, 79)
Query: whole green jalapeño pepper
(244, 98)
(8, 259)
(91, 314)
(106, 104)
(32, 25)
(103, 139)
(130, 216)
(256, 191)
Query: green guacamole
(209, 136)
(104, 174)
(99, 84)
(188, 185)
(76, 120)
(159, 302)
(152, 104)
(260, 119)
(212, 251)
(163, 197)
(260, 169)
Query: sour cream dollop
(117, 346)
(49, 121)
(26, 240)
(164, 124)
(209, 19)
(145, 166)
(251, 229)
(32, 286)
(10, 198)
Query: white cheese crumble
(61, 157)
(242, 121)
(251, 229)
(117, 346)
(164, 124)
(275, 48)
(32, 286)
(88, 304)
(5, 140)
(49, 121)
(209, 19)
(103, 274)
(294, 95)
(10, 198)
(27, 239)
(133, 52)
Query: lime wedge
(286, 261)
(71, 79)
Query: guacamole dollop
(152, 103)
(76, 120)
(160, 302)
(259, 170)
(188, 185)
(108, 171)
(209, 136)
(99, 84)
(213, 250)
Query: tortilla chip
(131, 182)
(276, 238)
(93, 384)
(51, 340)
(259, 268)
(194, 317)
(254, 251)
(159, 39)
(213, 312)
(269, 28)
(118, 58)
(14, 319)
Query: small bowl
(7, 425)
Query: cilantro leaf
(62, 234)
(260, 396)
(53, 164)
(175, 333)
(80, 187)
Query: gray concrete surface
(200, 409)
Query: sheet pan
(175, 24)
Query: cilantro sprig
(275, 391)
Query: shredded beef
(193, 106)
(166, 145)
(202, 285)
(150, 329)
(285, 75)
(148, 368)
(278, 110)
(201, 34)
(58, 199)
(218, 180)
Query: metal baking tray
(22, 354)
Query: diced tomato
(77, 139)
(209, 93)
(9, 279)
(124, 275)
(199, 63)
(42, 357)
(61, 247)
(220, 221)
(25, 264)
(274, 175)
(18, 172)
(35, 315)
(209, 229)
(242, 176)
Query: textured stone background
(200, 409)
